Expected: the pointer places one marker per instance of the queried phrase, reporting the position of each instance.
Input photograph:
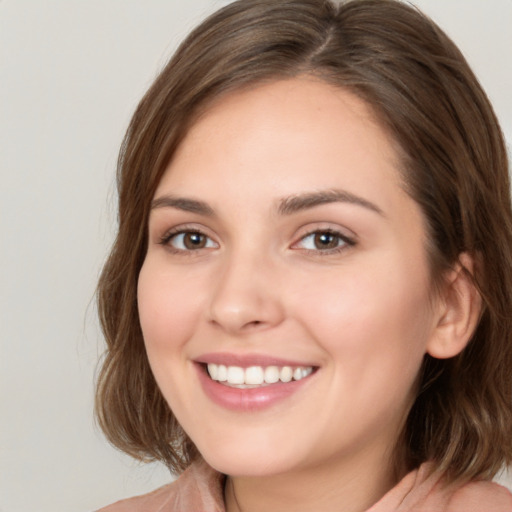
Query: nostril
(237, 310)
(254, 323)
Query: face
(285, 257)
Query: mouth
(256, 376)
(252, 382)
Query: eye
(188, 241)
(324, 240)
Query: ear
(459, 305)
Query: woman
(307, 304)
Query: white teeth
(236, 375)
(286, 374)
(253, 375)
(271, 374)
(256, 375)
(213, 370)
(222, 373)
(306, 372)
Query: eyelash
(344, 242)
(175, 233)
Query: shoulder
(148, 502)
(424, 490)
(480, 496)
(198, 488)
(473, 496)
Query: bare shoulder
(481, 496)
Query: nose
(246, 296)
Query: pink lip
(251, 399)
(247, 360)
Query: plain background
(71, 73)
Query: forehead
(282, 138)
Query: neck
(353, 487)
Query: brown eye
(326, 240)
(190, 241)
(194, 241)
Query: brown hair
(454, 165)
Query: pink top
(200, 489)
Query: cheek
(377, 320)
(168, 310)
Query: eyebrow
(287, 205)
(293, 204)
(183, 203)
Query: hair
(454, 164)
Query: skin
(361, 311)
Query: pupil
(194, 241)
(325, 240)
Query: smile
(256, 376)
(252, 382)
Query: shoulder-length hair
(454, 164)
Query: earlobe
(459, 306)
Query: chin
(249, 462)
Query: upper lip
(247, 360)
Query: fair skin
(281, 235)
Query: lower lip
(251, 399)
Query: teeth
(213, 370)
(222, 373)
(253, 375)
(271, 374)
(236, 375)
(286, 374)
(256, 375)
(306, 372)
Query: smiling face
(282, 247)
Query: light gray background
(71, 72)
